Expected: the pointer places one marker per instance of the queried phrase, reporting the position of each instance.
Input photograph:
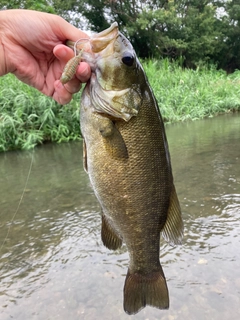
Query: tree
(39, 5)
(174, 29)
(193, 31)
(88, 14)
(160, 28)
(229, 56)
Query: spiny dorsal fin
(173, 228)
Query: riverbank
(28, 118)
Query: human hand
(32, 47)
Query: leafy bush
(28, 118)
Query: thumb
(63, 53)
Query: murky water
(54, 266)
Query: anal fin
(110, 237)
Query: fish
(126, 157)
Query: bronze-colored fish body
(126, 156)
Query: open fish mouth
(109, 53)
(101, 40)
(96, 43)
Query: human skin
(32, 48)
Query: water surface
(54, 266)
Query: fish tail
(145, 289)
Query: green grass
(185, 94)
(28, 118)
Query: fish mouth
(110, 99)
(95, 44)
(101, 40)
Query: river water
(54, 266)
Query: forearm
(6, 42)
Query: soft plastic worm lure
(71, 66)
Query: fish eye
(128, 60)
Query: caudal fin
(148, 289)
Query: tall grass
(184, 94)
(28, 118)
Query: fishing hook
(77, 42)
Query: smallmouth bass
(127, 159)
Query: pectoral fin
(173, 228)
(115, 146)
(110, 237)
(113, 140)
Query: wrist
(3, 35)
(3, 68)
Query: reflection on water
(54, 266)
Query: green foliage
(176, 28)
(187, 94)
(39, 5)
(229, 54)
(28, 118)
(198, 31)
